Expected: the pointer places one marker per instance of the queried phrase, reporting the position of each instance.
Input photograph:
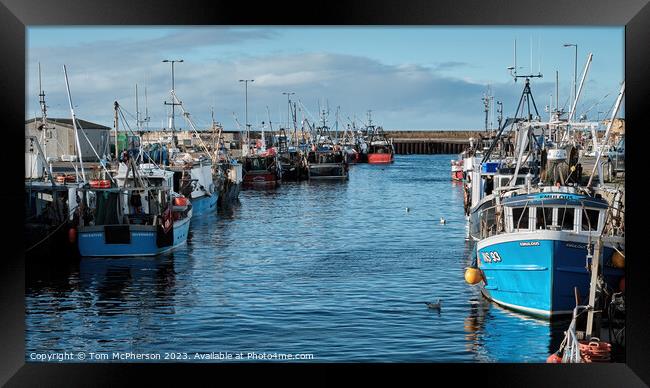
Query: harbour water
(339, 270)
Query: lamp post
(246, 81)
(575, 67)
(173, 103)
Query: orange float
(72, 235)
(554, 359)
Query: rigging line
(83, 132)
(307, 110)
(132, 116)
(46, 237)
(596, 104)
(132, 133)
(136, 176)
(565, 103)
(189, 119)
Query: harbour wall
(432, 142)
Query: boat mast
(41, 100)
(74, 124)
(526, 97)
(336, 123)
(599, 152)
(116, 107)
(582, 81)
(486, 109)
(295, 125)
(214, 142)
(146, 105)
(137, 110)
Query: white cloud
(401, 96)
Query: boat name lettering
(557, 196)
(578, 246)
(91, 235)
(529, 244)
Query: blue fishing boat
(195, 178)
(536, 227)
(142, 216)
(544, 249)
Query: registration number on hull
(491, 257)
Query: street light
(575, 67)
(246, 81)
(173, 103)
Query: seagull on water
(408, 210)
(434, 306)
(442, 221)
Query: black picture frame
(16, 15)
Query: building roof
(68, 123)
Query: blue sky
(410, 77)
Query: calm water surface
(337, 270)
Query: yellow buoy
(473, 275)
(618, 260)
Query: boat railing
(493, 222)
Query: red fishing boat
(380, 148)
(262, 170)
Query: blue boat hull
(204, 204)
(142, 240)
(537, 276)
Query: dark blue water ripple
(338, 270)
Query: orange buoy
(473, 275)
(618, 260)
(554, 359)
(180, 201)
(72, 235)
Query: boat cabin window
(504, 180)
(565, 218)
(544, 218)
(590, 219)
(520, 218)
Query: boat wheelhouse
(293, 164)
(233, 178)
(195, 178)
(327, 162)
(380, 148)
(262, 170)
(486, 184)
